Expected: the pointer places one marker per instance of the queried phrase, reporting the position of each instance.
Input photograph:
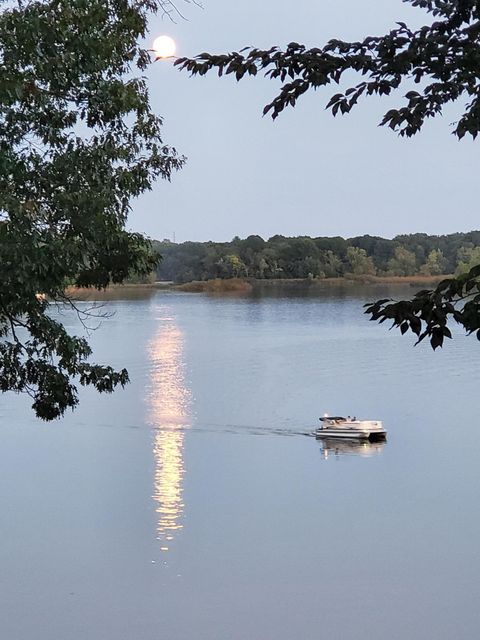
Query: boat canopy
(328, 418)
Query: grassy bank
(348, 281)
(117, 291)
(228, 285)
(245, 286)
(240, 285)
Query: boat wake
(238, 429)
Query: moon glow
(164, 47)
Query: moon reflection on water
(169, 403)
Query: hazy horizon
(300, 235)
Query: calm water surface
(194, 506)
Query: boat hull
(351, 434)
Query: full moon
(164, 46)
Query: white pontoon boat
(338, 427)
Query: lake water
(194, 505)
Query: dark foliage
(427, 315)
(441, 58)
(78, 140)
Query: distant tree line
(316, 258)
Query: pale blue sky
(306, 173)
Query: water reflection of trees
(169, 403)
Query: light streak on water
(169, 403)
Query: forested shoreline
(282, 257)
